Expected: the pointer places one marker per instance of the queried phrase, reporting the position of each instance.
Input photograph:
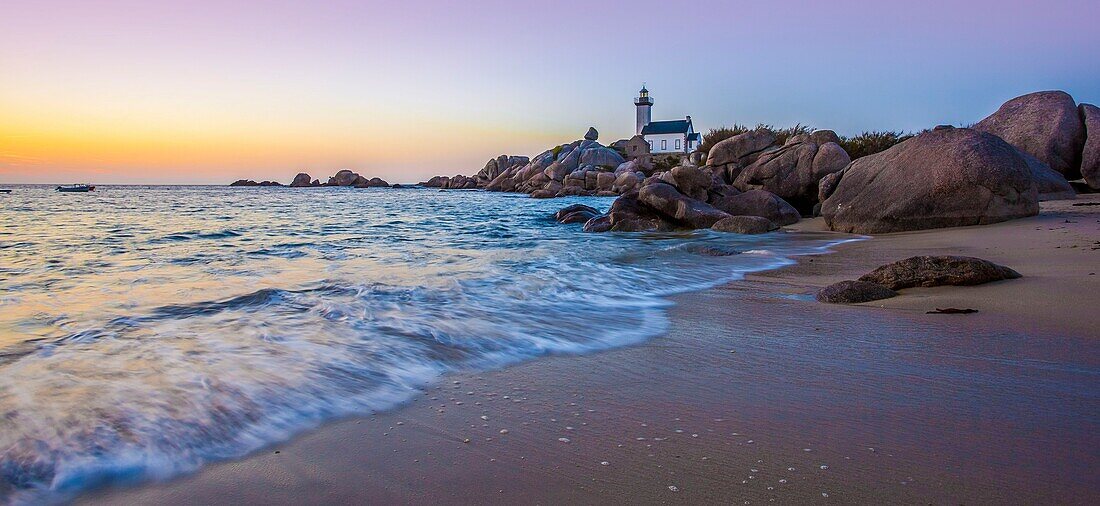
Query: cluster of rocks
(791, 170)
(923, 271)
(688, 197)
(341, 178)
(1025, 152)
(750, 184)
(249, 182)
(945, 177)
(583, 167)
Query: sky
(207, 92)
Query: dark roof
(694, 136)
(679, 126)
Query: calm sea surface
(145, 331)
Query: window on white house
(664, 144)
(677, 143)
(650, 145)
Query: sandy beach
(756, 394)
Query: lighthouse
(673, 136)
(645, 108)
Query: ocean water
(146, 331)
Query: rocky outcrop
(667, 200)
(348, 178)
(744, 225)
(1045, 124)
(946, 177)
(249, 182)
(628, 214)
(343, 178)
(731, 155)
(302, 180)
(583, 167)
(591, 134)
(793, 170)
(854, 292)
(1090, 153)
(691, 198)
(930, 271)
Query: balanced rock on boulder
(930, 271)
(947, 177)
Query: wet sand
(757, 394)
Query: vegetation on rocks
(869, 143)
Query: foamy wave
(172, 354)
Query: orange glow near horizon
(212, 146)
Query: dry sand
(757, 394)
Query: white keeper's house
(673, 136)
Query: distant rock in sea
(302, 180)
(249, 182)
(341, 178)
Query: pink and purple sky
(213, 91)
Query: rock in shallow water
(854, 292)
(566, 211)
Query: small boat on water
(76, 188)
(2, 190)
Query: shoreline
(898, 406)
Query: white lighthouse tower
(645, 108)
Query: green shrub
(557, 151)
(720, 134)
(866, 143)
(869, 143)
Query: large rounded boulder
(301, 180)
(1045, 124)
(693, 213)
(730, 155)
(947, 177)
(1090, 154)
(758, 203)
